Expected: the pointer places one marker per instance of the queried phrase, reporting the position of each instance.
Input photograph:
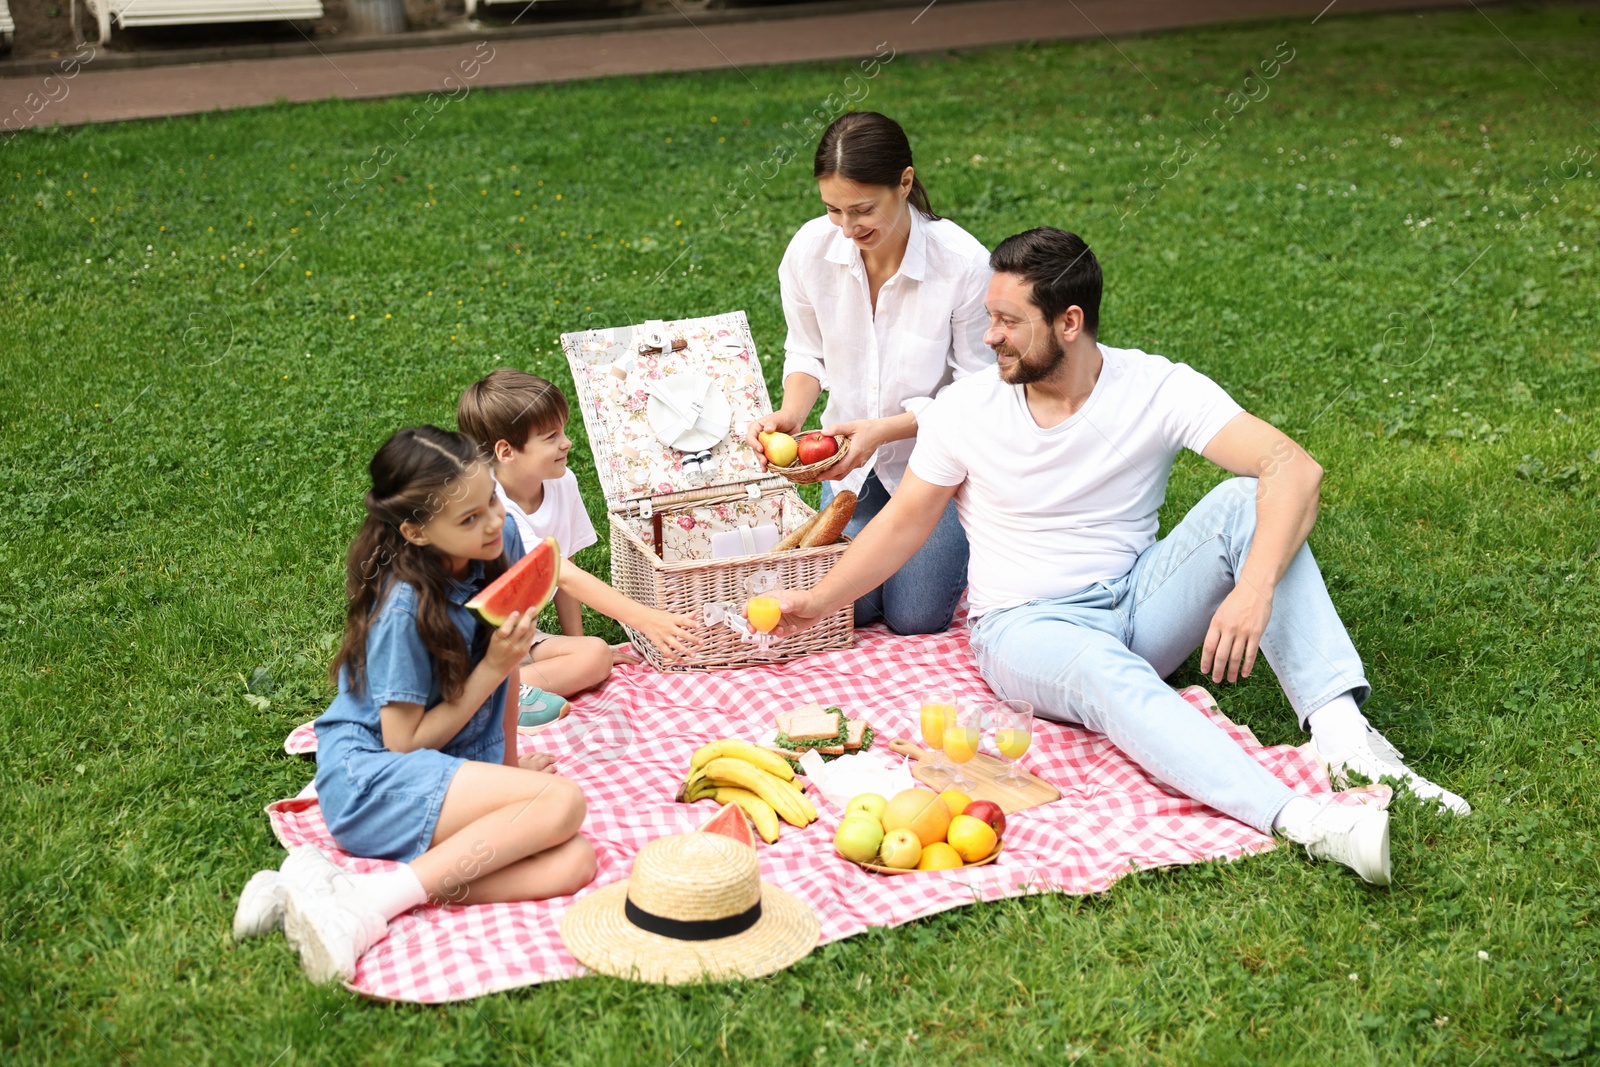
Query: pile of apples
(919, 829)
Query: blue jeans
(1098, 658)
(920, 597)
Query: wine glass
(1013, 733)
(937, 705)
(962, 732)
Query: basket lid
(666, 405)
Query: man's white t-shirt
(1050, 512)
(561, 515)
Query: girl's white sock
(1294, 821)
(391, 893)
(1338, 727)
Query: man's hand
(801, 611)
(1235, 633)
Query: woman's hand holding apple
(779, 421)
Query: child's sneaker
(260, 909)
(1376, 759)
(537, 709)
(331, 931)
(1354, 835)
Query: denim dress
(380, 804)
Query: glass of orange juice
(962, 732)
(1013, 734)
(937, 706)
(763, 612)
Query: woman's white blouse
(928, 330)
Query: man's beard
(1024, 372)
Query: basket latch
(653, 337)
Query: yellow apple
(780, 448)
(900, 849)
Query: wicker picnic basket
(698, 384)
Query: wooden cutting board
(982, 770)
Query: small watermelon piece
(732, 822)
(527, 585)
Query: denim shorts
(385, 805)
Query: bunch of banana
(760, 781)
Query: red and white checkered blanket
(628, 744)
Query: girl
(885, 305)
(416, 758)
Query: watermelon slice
(526, 586)
(732, 822)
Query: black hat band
(691, 929)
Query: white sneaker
(331, 931)
(1356, 836)
(1375, 759)
(260, 909)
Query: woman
(885, 307)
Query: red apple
(816, 447)
(990, 812)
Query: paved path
(105, 96)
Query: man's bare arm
(882, 548)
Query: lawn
(1388, 248)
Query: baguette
(793, 537)
(831, 521)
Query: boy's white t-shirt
(1050, 512)
(560, 515)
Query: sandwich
(826, 730)
(812, 726)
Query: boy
(519, 420)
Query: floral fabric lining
(615, 380)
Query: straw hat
(695, 907)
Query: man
(1058, 459)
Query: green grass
(183, 443)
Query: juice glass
(1013, 734)
(763, 612)
(962, 732)
(936, 707)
